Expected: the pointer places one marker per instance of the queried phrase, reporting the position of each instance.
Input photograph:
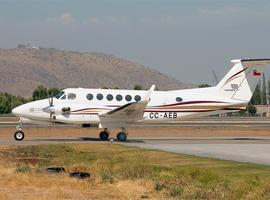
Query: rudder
(240, 82)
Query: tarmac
(251, 150)
(241, 142)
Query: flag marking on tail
(256, 73)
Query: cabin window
(179, 99)
(71, 96)
(119, 97)
(89, 97)
(99, 96)
(109, 97)
(59, 95)
(137, 98)
(64, 97)
(128, 97)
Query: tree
(256, 98)
(53, 91)
(251, 110)
(8, 102)
(264, 96)
(21, 46)
(17, 101)
(40, 93)
(204, 85)
(4, 104)
(268, 89)
(138, 87)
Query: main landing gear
(121, 136)
(19, 134)
(104, 135)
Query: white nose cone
(18, 111)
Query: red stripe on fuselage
(188, 102)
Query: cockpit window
(64, 97)
(71, 96)
(59, 95)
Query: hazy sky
(186, 39)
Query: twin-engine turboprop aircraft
(110, 108)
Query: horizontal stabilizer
(252, 62)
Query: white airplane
(109, 108)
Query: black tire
(121, 137)
(104, 135)
(19, 135)
(56, 170)
(80, 175)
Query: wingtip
(149, 92)
(152, 88)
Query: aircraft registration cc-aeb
(109, 108)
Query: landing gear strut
(19, 134)
(104, 135)
(122, 135)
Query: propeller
(50, 108)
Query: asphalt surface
(245, 140)
(251, 150)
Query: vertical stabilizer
(240, 82)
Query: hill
(23, 69)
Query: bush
(251, 110)
(8, 102)
(23, 168)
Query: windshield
(59, 95)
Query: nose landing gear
(19, 134)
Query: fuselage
(83, 106)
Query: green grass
(177, 176)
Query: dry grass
(120, 172)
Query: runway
(242, 144)
(242, 141)
(252, 150)
(8, 122)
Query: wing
(127, 113)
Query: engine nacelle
(66, 109)
(58, 110)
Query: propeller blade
(51, 119)
(50, 99)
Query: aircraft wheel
(19, 135)
(104, 135)
(121, 137)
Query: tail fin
(241, 81)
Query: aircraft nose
(18, 111)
